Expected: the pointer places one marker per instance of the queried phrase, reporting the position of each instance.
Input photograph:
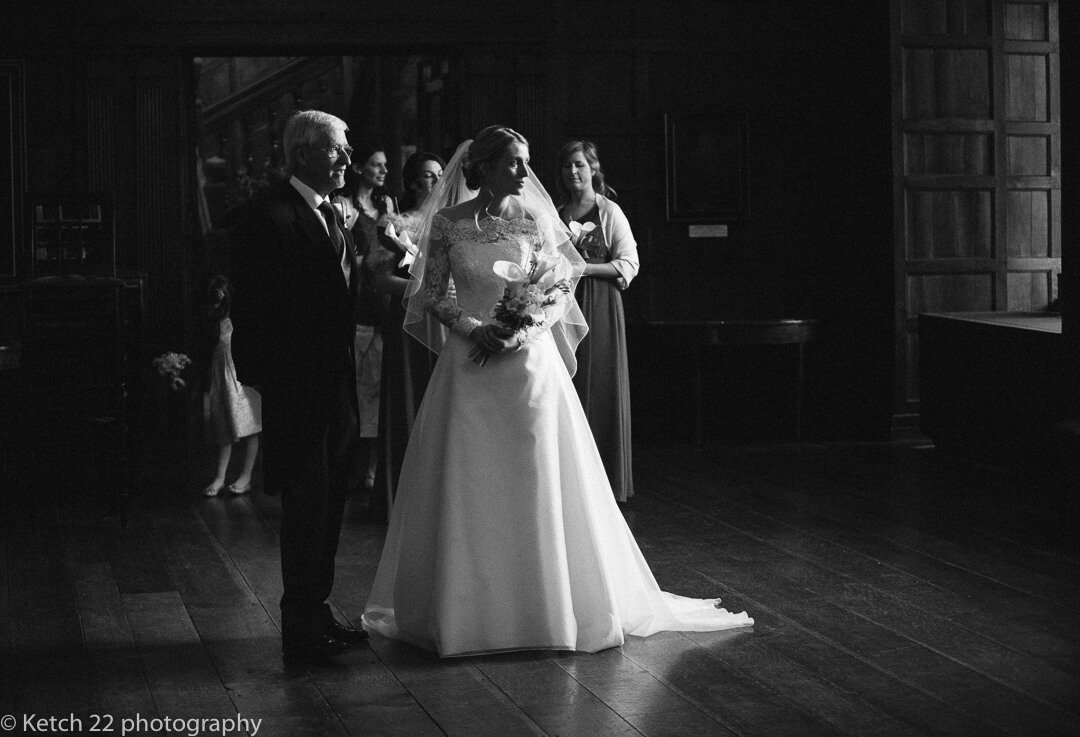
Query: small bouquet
(578, 231)
(403, 239)
(169, 366)
(526, 294)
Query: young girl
(233, 411)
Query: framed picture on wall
(706, 167)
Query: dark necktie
(336, 238)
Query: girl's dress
(234, 410)
(505, 534)
(603, 377)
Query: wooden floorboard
(649, 705)
(453, 703)
(740, 702)
(805, 667)
(949, 587)
(944, 494)
(178, 668)
(370, 699)
(288, 705)
(937, 538)
(50, 670)
(550, 698)
(453, 692)
(981, 606)
(200, 569)
(364, 691)
(850, 674)
(120, 686)
(876, 538)
(807, 593)
(896, 595)
(846, 713)
(7, 652)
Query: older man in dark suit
(295, 277)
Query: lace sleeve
(437, 297)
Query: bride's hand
(494, 339)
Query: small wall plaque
(708, 231)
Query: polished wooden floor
(895, 594)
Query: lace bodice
(466, 250)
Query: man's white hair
(308, 128)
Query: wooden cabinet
(991, 385)
(71, 236)
(976, 164)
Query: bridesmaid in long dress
(602, 235)
(366, 207)
(407, 363)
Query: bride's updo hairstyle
(488, 146)
(455, 200)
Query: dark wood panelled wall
(109, 107)
(976, 162)
(1069, 31)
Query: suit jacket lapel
(350, 248)
(309, 221)
(316, 234)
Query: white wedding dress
(505, 534)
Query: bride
(505, 534)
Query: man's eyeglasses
(336, 151)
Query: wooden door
(507, 90)
(12, 173)
(976, 164)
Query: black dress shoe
(347, 634)
(323, 647)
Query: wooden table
(991, 384)
(9, 357)
(9, 387)
(701, 334)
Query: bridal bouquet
(526, 294)
(169, 366)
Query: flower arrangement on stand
(169, 367)
(172, 411)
